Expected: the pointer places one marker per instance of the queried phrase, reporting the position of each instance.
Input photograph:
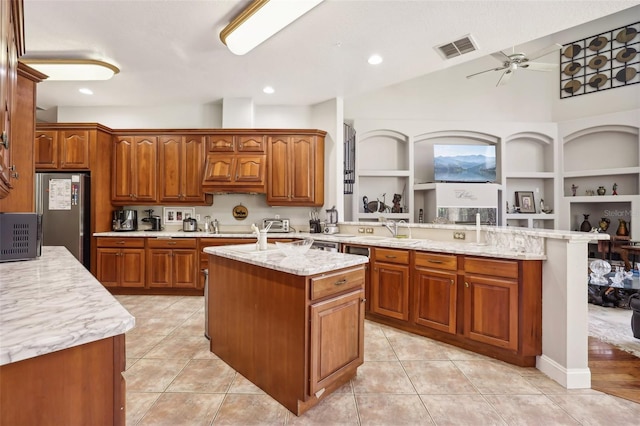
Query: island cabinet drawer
(438, 261)
(391, 256)
(493, 267)
(336, 282)
(120, 242)
(172, 243)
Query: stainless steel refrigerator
(63, 201)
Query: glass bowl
(295, 248)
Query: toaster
(277, 225)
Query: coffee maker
(124, 220)
(154, 220)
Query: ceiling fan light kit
(600, 62)
(261, 20)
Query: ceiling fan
(515, 61)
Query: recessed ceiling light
(85, 91)
(375, 59)
(268, 90)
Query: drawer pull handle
(120, 242)
(435, 261)
(172, 243)
(451, 281)
(466, 284)
(340, 282)
(390, 256)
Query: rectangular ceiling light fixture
(260, 20)
(73, 69)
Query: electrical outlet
(369, 230)
(198, 217)
(276, 216)
(459, 235)
(360, 230)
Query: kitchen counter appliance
(124, 220)
(189, 225)
(154, 220)
(277, 225)
(20, 236)
(331, 227)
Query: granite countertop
(195, 234)
(312, 262)
(53, 303)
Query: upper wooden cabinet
(134, 169)
(63, 149)
(295, 170)
(236, 143)
(235, 163)
(11, 48)
(180, 163)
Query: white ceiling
(169, 51)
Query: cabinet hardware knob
(452, 282)
(363, 300)
(340, 282)
(15, 175)
(12, 168)
(466, 284)
(240, 145)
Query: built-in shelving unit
(529, 164)
(380, 176)
(601, 156)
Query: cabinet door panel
(170, 159)
(220, 169)
(159, 272)
(121, 170)
(220, 143)
(74, 149)
(192, 169)
(184, 268)
(250, 143)
(250, 169)
(132, 273)
(145, 169)
(278, 170)
(302, 169)
(435, 299)
(337, 337)
(491, 310)
(390, 291)
(46, 150)
(108, 269)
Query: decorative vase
(604, 224)
(622, 231)
(602, 190)
(586, 226)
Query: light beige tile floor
(173, 379)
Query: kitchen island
(294, 326)
(62, 346)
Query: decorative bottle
(586, 226)
(622, 231)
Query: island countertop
(310, 263)
(53, 303)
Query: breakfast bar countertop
(310, 263)
(52, 303)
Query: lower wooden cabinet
(390, 283)
(172, 263)
(435, 291)
(120, 262)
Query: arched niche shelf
(528, 153)
(391, 148)
(601, 148)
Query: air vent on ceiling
(456, 48)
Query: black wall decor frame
(604, 61)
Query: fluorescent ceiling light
(73, 69)
(260, 20)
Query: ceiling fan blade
(501, 56)
(504, 78)
(482, 72)
(538, 66)
(545, 51)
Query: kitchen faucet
(393, 228)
